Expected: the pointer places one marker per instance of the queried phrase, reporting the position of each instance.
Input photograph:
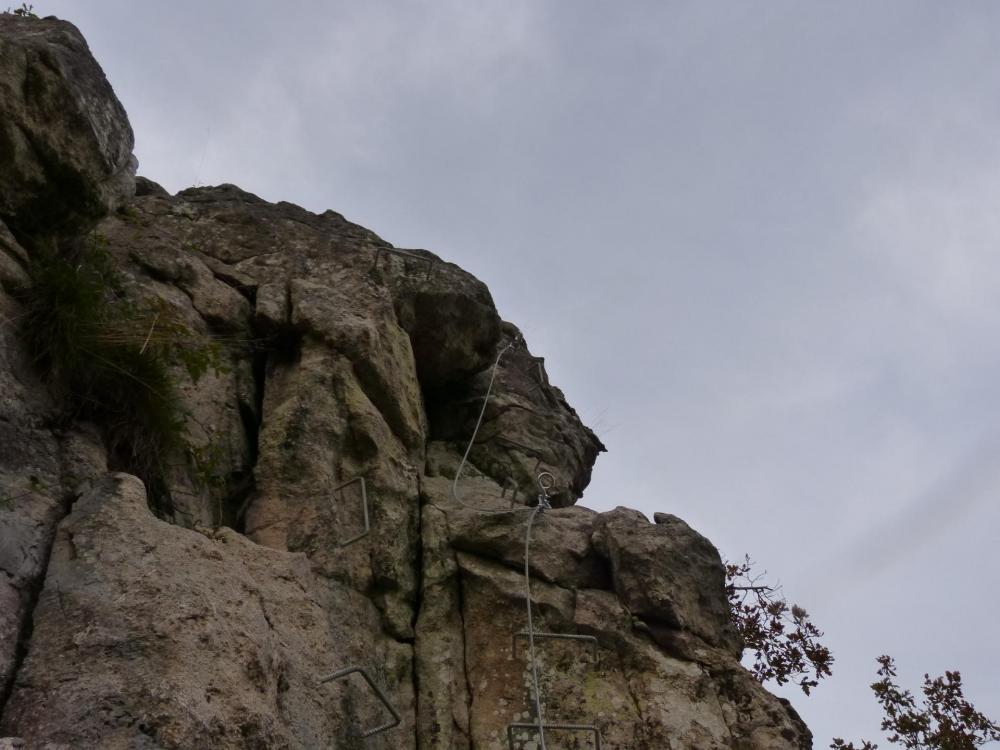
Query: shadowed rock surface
(200, 610)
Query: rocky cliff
(226, 471)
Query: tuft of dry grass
(108, 358)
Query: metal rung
(405, 256)
(378, 691)
(511, 728)
(554, 636)
(364, 506)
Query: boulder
(643, 682)
(448, 313)
(65, 141)
(668, 575)
(561, 549)
(528, 426)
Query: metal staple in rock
(383, 698)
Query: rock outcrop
(202, 608)
(65, 142)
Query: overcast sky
(758, 245)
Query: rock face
(351, 378)
(149, 600)
(42, 467)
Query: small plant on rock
(108, 357)
(35, 485)
(25, 11)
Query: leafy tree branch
(945, 721)
(785, 643)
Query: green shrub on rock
(109, 358)
(25, 11)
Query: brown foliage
(784, 641)
(946, 721)
(786, 648)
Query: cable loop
(545, 483)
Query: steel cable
(545, 480)
(543, 504)
(472, 441)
